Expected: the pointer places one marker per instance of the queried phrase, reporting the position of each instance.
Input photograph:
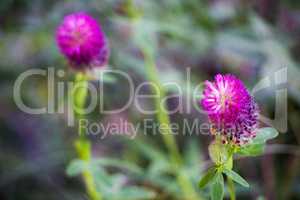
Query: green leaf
(131, 193)
(252, 150)
(209, 176)
(236, 177)
(105, 162)
(217, 188)
(257, 146)
(147, 149)
(76, 167)
(103, 180)
(158, 167)
(165, 183)
(264, 134)
(218, 152)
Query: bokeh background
(252, 39)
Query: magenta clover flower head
(231, 110)
(82, 41)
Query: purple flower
(231, 110)
(82, 41)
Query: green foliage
(76, 167)
(132, 193)
(257, 145)
(252, 150)
(217, 187)
(121, 164)
(208, 177)
(222, 155)
(265, 134)
(236, 177)
(229, 163)
(218, 152)
(111, 186)
(161, 173)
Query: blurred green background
(252, 39)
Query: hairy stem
(83, 148)
(82, 145)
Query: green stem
(82, 145)
(162, 115)
(164, 120)
(83, 148)
(231, 189)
